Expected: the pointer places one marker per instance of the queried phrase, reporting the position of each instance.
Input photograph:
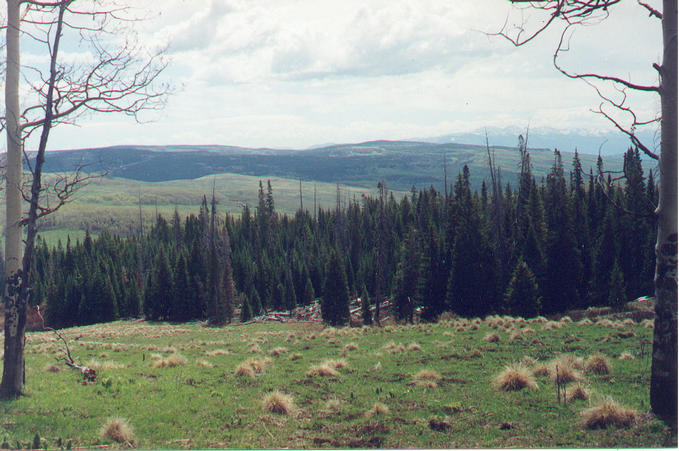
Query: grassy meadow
(113, 204)
(299, 385)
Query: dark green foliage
(522, 297)
(335, 300)
(616, 287)
(458, 253)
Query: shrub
(278, 402)
(515, 377)
(117, 429)
(598, 364)
(608, 413)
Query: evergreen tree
(522, 296)
(335, 300)
(616, 287)
(405, 281)
(158, 295)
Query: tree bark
(664, 365)
(15, 310)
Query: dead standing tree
(119, 77)
(615, 107)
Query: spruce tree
(522, 296)
(335, 300)
(616, 287)
(366, 313)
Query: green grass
(113, 204)
(191, 406)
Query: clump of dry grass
(216, 352)
(515, 377)
(598, 364)
(104, 365)
(426, 384)
(585, 322)
(377, 409)
(204, 363)
(278, 351)
(295, 356)
(119, 430)
(626, 356)
(350, 347)
(333, 405)
(336, 364)
(170, 361)
(448, 334)
(647, 324)
(528, 361)
(322, 370)
(551, 325)
(376, 367)
(427, 374)
(278, 402)
(541, 370)
(245, 370)
(566, 319)
(515, 335)
(255, 349)
(628, 322)
(608, 413)
(414, 347)
(577, 392)
(491, 337)
(476, 354)
(52, 368)
(565, 369)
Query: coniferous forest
(573, 239)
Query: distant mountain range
(547, 138)
(402, 164)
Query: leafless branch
(652, 12)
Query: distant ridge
(402, 164)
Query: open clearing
(298, 385)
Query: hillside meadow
(299, 385)
(113, 204)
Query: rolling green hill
(402, 164)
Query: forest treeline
(570, 240)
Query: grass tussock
(541, 370)
(351, 347)
(608, 413)
(528, 361)
(275, 352)
(628, 322)
(245, 370)
(414, 347)
(566, 319)
(626, 356)
(104, 365)
(52, 368)
(492, 337)
(377, 409)
(515, 377)
(577, 392)
(565, 369)
(322, 370)
(170, 361)
(598, 364)
(585, 322)
(216, 352)
(255, 349)
(336, 364)
(333, 405)
(476, 354)
(118, 430)
(278, 402)
(295, 356)
(647, 324)
(426, 384)
(204, 363)
(427, 375)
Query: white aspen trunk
(15, 311)
(664, 365)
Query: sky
(302, 73)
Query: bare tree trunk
(15, 312)
(664, 367)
